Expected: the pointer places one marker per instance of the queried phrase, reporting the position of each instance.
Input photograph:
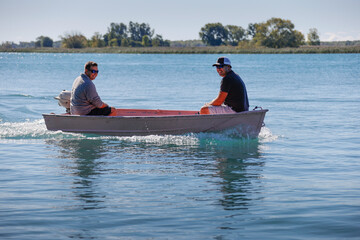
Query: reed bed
(194, 50)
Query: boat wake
(32, 130)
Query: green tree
(166, 43)
(313, 37)
(97, 40)
(38, 43)
(116, 31)
(113, 42)
(214, 34)
(135, 43)
(277, 33)
(235, 35)
(125, 42)
(43, 41)
(158, 41)
(251, 30)
(47, 42)
(146, 41)
(137, 31)
(299, 39)
(74, 40)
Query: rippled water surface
(299, 180)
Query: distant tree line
(118, 34)
(274, 33)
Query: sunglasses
(221, 66)
(94, 71)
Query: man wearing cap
(232, 96)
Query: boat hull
(245, 123)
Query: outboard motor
(64, 99)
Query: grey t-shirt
(84, 96)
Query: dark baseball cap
(222, 61)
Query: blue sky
(25, 20)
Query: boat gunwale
(158, 116)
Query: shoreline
(193, 50)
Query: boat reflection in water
(183, 175)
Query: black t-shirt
(237, 97)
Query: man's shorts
(223, 109)
(100, 111)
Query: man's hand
(104, 105)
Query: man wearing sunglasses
(84, 97)
(232, 97)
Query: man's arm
(220, 99)
(216, 102)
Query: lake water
(299, 180)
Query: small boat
(141, 122)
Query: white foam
(266, 135)
(160, 139)
(28, 130)
(37, 130)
